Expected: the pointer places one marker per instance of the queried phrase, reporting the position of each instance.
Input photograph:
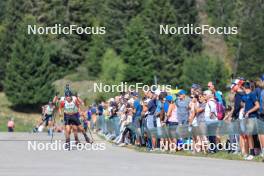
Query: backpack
(220, 109)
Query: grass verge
(219, 155)
(24, 122)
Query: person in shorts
(250, 112)
(70, 108)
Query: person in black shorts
(70, 108)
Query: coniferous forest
(132, 48)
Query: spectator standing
(251, 111)
(183, 108)
(11, 125)
(210, 115)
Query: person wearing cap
(195, 88)
(172, 119)
(239, 93)
(210, 114)
(151, 119)
(235, 101)
(47, 113)
(250, 111)
(183, 108)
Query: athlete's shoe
(35, 130)
(50, 131)
(67, 146)
(87, 139)
(77, 142)
(249, 157)
(121, 145)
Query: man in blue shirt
(251, 111)
(251, 101)
(151, 119)
(137, 119)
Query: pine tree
(250, 63)
(12, 13)
(201, 69)
(71, 49)
(137, 53)
(113, 67)
(168, 51)
(94, 56)
(187, 14)
(3, 10)
(118, 13)
(29, 74)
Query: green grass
(218, 155)
(23, 121)
(21, 125)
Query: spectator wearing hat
(250, 111)
(210, 114)
(239, 93)
(151, 119)
(183, 108)
(172, 118)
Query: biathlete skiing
(70, 108)
(47, 118)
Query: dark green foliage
(113, 67)
(202, 69)
(118, 13)
(251, 60)
(137, 53)
(168, 51)
(12, 14)
(188, 14)
(3, 10)
(94, 56)
(132, 49)
(248, 44)
(29, 74)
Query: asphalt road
(17, 160)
